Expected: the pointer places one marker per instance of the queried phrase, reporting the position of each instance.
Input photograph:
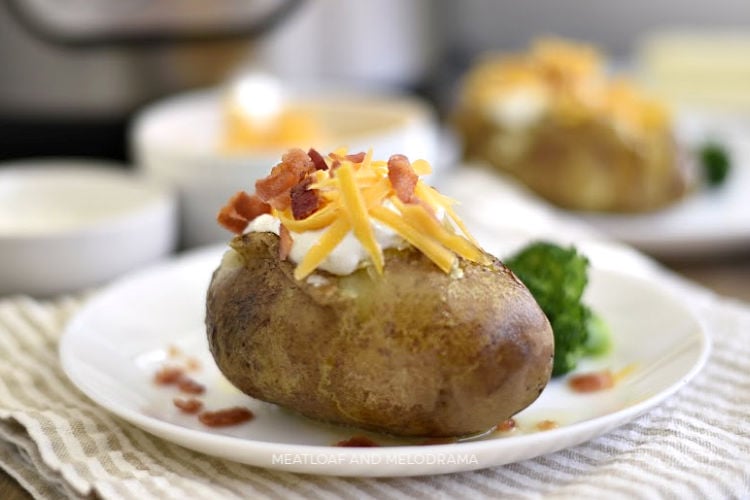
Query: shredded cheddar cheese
(571, 81)
(355, 194)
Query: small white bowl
(67, 225)
(178, 141)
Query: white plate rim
(551, 440)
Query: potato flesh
(415, 352)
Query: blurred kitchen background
(75, 71)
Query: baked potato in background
(555, 118)
(586, 166)
(414, 352)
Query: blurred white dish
(115, 344)
(710, 221)
(69, 224)
(178, 141)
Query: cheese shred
(355, 194)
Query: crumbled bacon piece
(168, 375)
(402, 177)
(251, 206)
(285, 242)
(358, 442)
(226, 417)
(189, 405)
(591, 382)
(356, 157)
(506, 425)
(274, 189)
(317, 159)
(305, 202)
(190, 386)
(352, 157)
(240, 210)
(174, 375)
(336, 164)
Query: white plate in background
(111, 349)
(709, 221)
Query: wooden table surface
(729, 277)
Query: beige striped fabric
(58, 444)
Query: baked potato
(555, 120)
(412, 352)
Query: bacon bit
(285, 242)
(356, 157)
(173, 375)
(592, 382)
(274, 189)
(173, 351)
(547, 425)
(402, 177)
(352, 157)
(357, 442)
(251, 207)
(168, 375)
(317, 159)
(226, 417)
(305, 202)
(230, 219)
(438, 440)
(506, 425)
(240, 210)
(189, 405)
(190, 386)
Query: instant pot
(73, 71)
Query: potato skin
(415, 352)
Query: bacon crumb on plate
(592, 382)
(226, 417)
(190, 386)
(189, 405)
(168, 375)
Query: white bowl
(177, 141)
(67, 225)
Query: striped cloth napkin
(57, 443)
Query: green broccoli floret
(716, 163)
(557, 278)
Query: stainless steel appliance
(72, 71)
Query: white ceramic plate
(115, 344)
(707, 222)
